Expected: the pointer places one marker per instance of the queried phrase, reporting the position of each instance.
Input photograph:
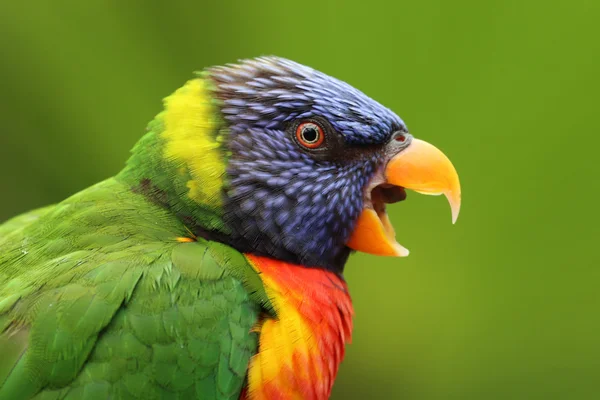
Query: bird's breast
(300, 350)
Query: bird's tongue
(388, 194)
(382, 195)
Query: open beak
(420, 167)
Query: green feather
(98, 299)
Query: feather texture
(99, 299)
(299, 351)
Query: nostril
(401, 136)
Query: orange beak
(420, 167)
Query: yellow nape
(192, 140)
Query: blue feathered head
(308, 155)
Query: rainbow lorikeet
(211, 266)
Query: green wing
(14, 225)
(99, 300)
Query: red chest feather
(300, 351)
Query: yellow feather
(192, 139)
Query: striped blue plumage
(280, 200)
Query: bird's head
(277, 159)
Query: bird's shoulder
(98, 294)
(20, 222)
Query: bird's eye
(310, 135)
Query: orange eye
(310, 135)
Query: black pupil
(310, 134)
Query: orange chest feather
(300, 351)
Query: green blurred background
(503, 305)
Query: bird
(211, 266)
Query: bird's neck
(180, 163)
